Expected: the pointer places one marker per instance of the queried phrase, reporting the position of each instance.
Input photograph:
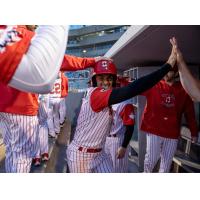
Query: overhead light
(101, 33)
(84, 51)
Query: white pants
(53, 116)
(62, 110)
(159, 147)
(43, 146)
(82, 162)
(40, 65)
(20, 139)
(111, 147)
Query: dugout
(139, 51)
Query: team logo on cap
(105, 64)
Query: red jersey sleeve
(72, 63)
(190, 116)
(127, 114)
(64, 85)
(99, 99)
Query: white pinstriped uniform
(2, 128)
(62, 110)
(159, 147)
(54, 106)
(20, 139)
(91, 131)
(113, 143)
(43, 146)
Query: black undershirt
(139, 86)
(128, 135)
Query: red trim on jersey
(72, 63)
(13, 52)
(99, 99)
(125, 115)
(64, 83)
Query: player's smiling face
(104, 81)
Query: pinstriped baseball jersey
(43, 108)
(53, 116)
(54, 106)
(62, 110)
(92, 127)
(21, 140)
(57, 89)
(111, 147)
(118, 122)
(83, 162)
(123, 114)
(43, 127)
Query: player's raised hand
(102, 58)
(179, 55)
(173, 57)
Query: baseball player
(166, 103)
(43, 147)
(85, 153)
(64, 93)
(54, 107)
(18, 112)
(117, 141)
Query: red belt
(89, 150)
(114, 135)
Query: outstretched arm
(189, 82)
(189, 113)
(101, 99)
(73, 63)
(141, 85)
(40, 64)
(137, 87)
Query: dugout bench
(187, 157)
